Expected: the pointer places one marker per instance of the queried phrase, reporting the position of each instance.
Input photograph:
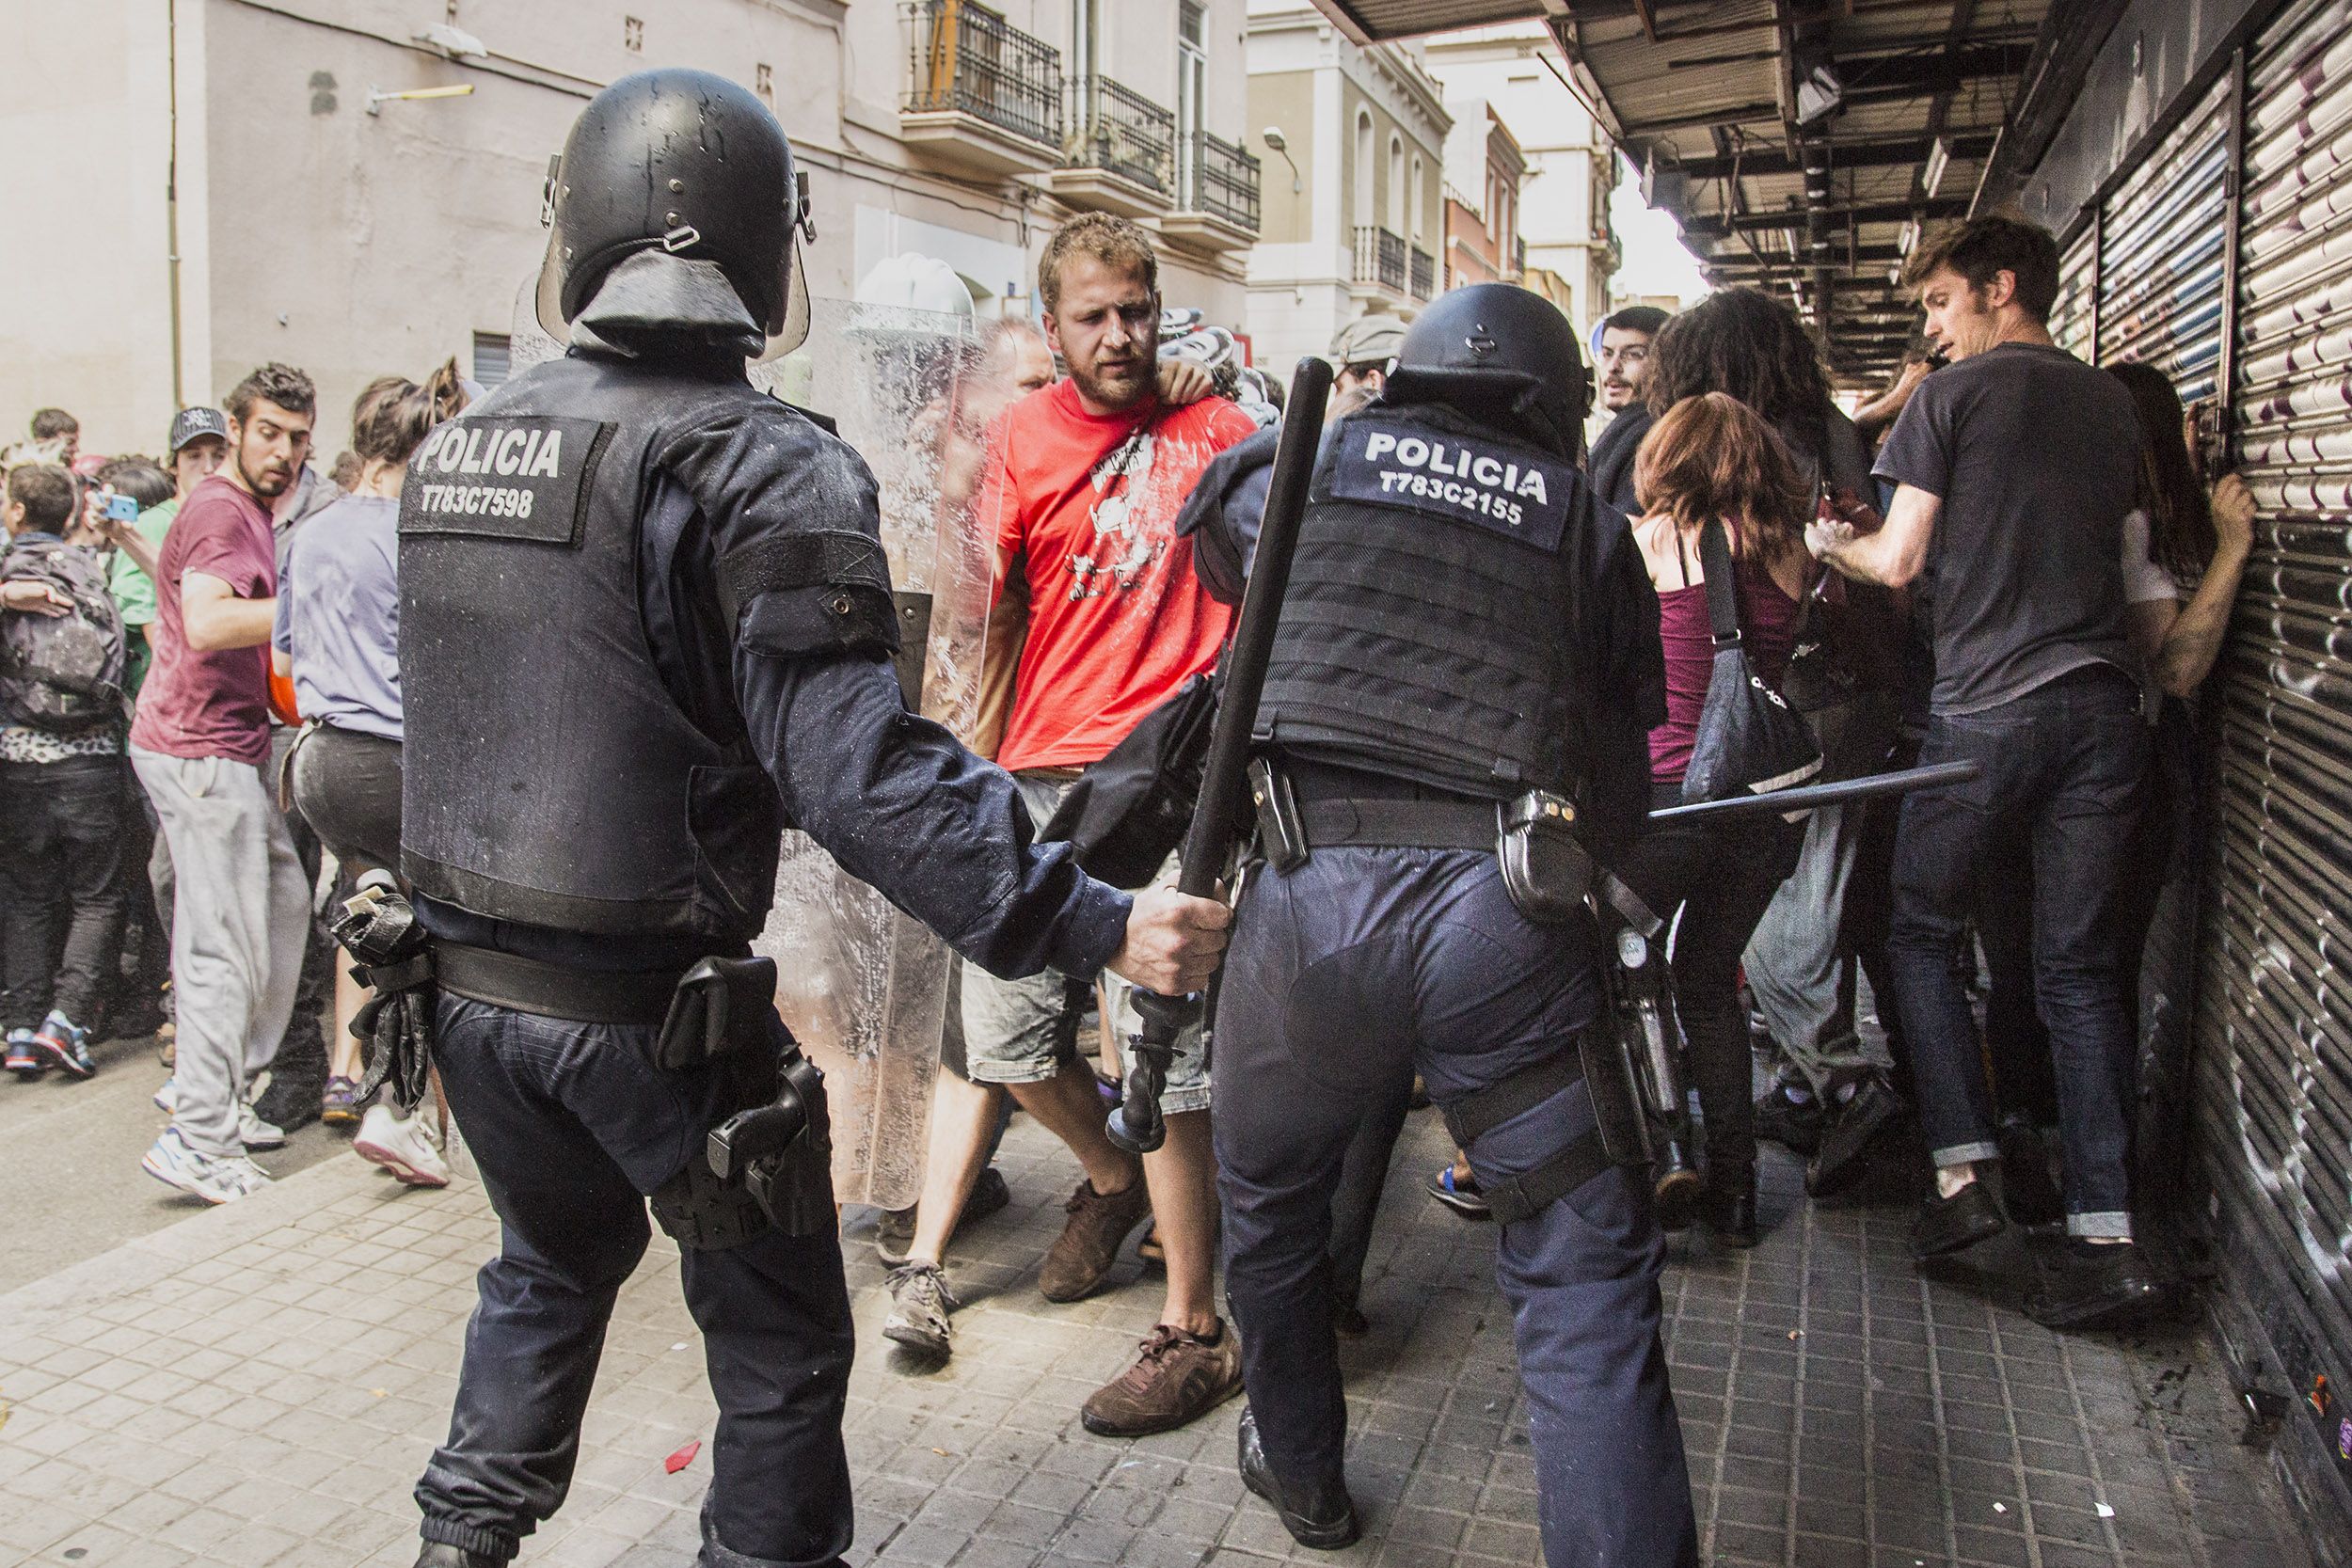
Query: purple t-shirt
(338, 614)
(210, 704)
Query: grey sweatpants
(1799, 973)
(241, 914)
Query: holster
(722, 1005)
(770, 1163)
(1545, 870)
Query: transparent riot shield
(865, 987)
(527, 342)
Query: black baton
(1806, 798)
(1135, 1125)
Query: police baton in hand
(1135, 1125)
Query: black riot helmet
(1498, 353)
(683, 162)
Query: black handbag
(1127, 813)
(1750, 740)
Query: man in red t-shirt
(199, 744)
(1081, 488)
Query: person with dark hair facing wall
(337, 637)
(2016, 467)
(2184, 553)
(198, 743)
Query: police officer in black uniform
(1466, 664)
(645, 623)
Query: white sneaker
(254, 1132)
(174, 1164)
(167, 1098)
(403, 1148)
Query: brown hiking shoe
(1177, 1377)
(1081, 1257)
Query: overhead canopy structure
(1804, 145)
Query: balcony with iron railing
(982, 94)
(1380, 258)
(1120, 154)
(1424, 274)
(1217, 202)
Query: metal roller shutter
(2072, 318)
(2160, 252)
(2273, 1039)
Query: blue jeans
(2063, 770)
(572, 1126)
(1345, 976)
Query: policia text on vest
(1509, 489)
(530, 469)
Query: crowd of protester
(2009, 557)
(158, 877)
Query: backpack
(62, 674)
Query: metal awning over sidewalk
(1802, 145)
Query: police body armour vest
(547, 775)
(1429, 628)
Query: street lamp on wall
(377, 98)
(1272, 136)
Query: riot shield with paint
(865, 987)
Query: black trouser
(2062, 767)
(60, 852)
(1345, 976)
(572, 1126)
(347, 786)
(1721, 877)
(1356, 1201)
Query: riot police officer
(1454, 716)
(645, 623)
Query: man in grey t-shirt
(2015, 468)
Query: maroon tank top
(1768, 622)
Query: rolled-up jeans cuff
(1964, 1154)
(2115, 1223)
(1015, 1074)
(1176, 1101)
(469, 1538)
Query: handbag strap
(1723, 585)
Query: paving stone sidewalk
(260, 1384)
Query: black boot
(1949, 1225)
(1852, 1132)
(1320, 1516)
(435, 1555)
(1728, 1206)
(2096, 1285)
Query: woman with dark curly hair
(1833, 1099)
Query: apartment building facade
(354, 185)
(1355, 202)
(1514, 68)
(1483, 169)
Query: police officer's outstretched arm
(896, 798)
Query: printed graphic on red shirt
(1085, 506)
